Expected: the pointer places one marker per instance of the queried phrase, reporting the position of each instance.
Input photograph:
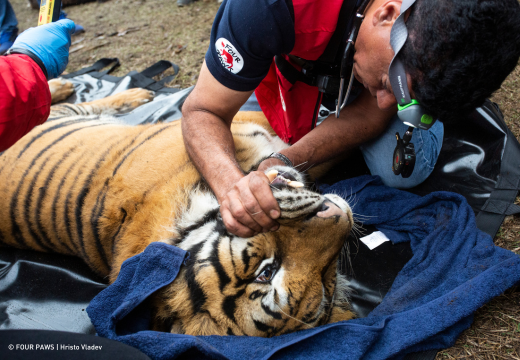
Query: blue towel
(455, 270)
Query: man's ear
(387, 13)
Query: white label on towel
(374, 240)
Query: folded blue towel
(455, 269)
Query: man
(38, 54)
(456, 55)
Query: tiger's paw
(129, 99)
(60, 89)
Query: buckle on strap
(326, 83)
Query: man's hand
(250, 208)
(50, 43)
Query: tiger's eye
(265, 276)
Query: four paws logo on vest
(229, 57)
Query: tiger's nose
(329, 209)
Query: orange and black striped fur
(83, 184)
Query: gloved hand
(49, 43)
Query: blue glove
(49, 43)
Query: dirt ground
(142, 32)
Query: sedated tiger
(83, 184)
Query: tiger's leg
(124, 101)
(60, 89)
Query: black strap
(500, 207)
(290, 72)
(158, 68)
(501, 200)
(316, 110)
(326, 83)
(348, 9)
(144, 78)
(96, 67)
(161, 83)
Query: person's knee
(397, 181)
(428, 145)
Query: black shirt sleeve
(245, 37)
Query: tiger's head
(266, 285)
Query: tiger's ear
(201, 324)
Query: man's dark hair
(459, 52)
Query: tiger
(85, 184)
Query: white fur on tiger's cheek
(199, 235)
(303, 201)
(277, 284)
(238, 245)
(201, 202)
(207, 248)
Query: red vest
(292, 109)
(25, 99)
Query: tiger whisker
(361, 215)
(292, 317)
(301, 164)
(310, 167)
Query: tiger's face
(266, 285)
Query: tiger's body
(83, 184)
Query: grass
(158, 29)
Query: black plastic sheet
(471, 156)
(45, 291)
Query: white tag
(374, 240)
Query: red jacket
(292, 108)
(25, 99)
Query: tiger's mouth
(298, 202)
(280, 179)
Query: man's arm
(244, 201)
(38, 54)
(358, 123)
(247, 203)
(25, 99)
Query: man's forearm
(207, 115)
(358, 123)
(211, 148)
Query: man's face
(374, 53)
